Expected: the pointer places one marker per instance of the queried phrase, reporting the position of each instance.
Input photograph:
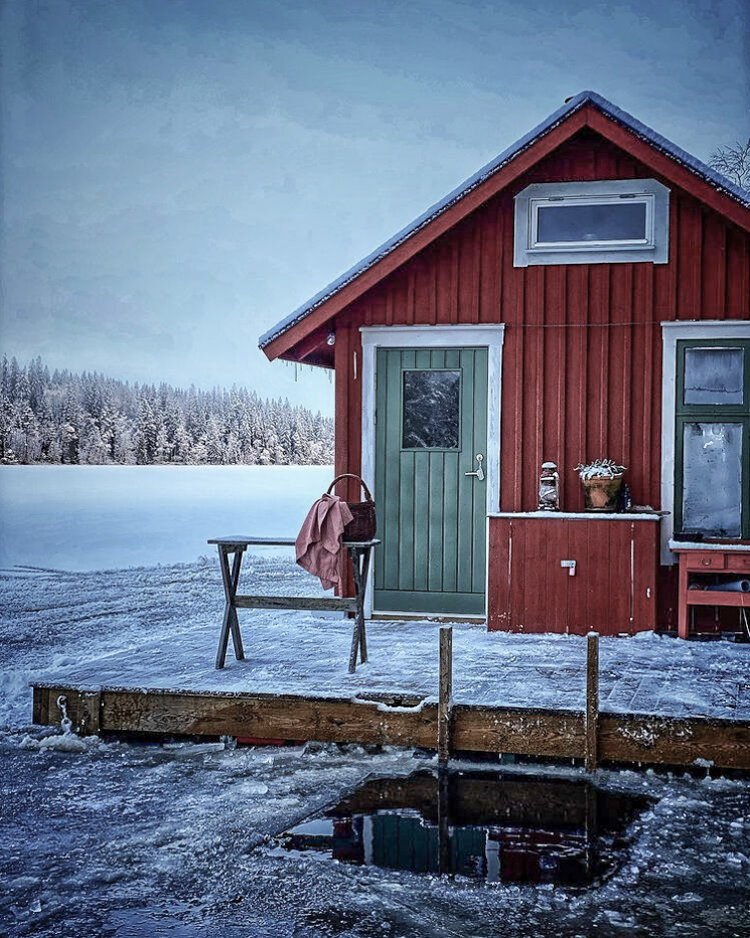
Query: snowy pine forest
(87, 418)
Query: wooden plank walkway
(400, 720)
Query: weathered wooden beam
(404, 721)
(520, 731)
(592, 701)
(270, 716)
(319, 603)
(445, 695)
(655, 740)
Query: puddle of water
(485, 826)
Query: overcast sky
(178, 176)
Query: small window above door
(613, 221)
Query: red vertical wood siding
(612, 591)
(582, 353)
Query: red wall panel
(613, 589)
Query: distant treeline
(61, 417)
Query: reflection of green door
(431, 422)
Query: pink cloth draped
(319, 539)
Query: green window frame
(736, 413)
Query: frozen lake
(103, 517)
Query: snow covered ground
(176, 612)
(129, 840)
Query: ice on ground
(130, 840)
(146, 840)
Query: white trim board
(455, 336)
(671, 333)
(579, 515)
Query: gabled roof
(659, 143)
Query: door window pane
(714, 375)
(620, 221)
(431, 409)
(712, 478)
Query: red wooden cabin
(586, 294)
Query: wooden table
(700, 558)
(360, 553)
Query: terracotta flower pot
(602, 493)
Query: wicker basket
(363, 525)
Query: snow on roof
(656, 140)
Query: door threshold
(429, 617)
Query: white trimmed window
(607, 222)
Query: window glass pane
(714, 375)
(712, 478)
(621, 221)
(431, 402)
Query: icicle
(355, 365)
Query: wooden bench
(360, 553)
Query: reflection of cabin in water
(490, 826)
(584, 295)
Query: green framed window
(712, 444)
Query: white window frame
(653, 248)
(672, 333)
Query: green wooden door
(431, 422)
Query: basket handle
(351, 475)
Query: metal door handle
(480, 472)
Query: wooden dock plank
(622, 738)
(557, 734)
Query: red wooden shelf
(701, 559)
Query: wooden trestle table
(360, 553)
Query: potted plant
(602, 484)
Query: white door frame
(456, 336)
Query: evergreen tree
(88, 418)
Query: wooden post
(360, 564)
(89, 713)
(445, 701)
(40, 711)
(592, 701)
(230, 623)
